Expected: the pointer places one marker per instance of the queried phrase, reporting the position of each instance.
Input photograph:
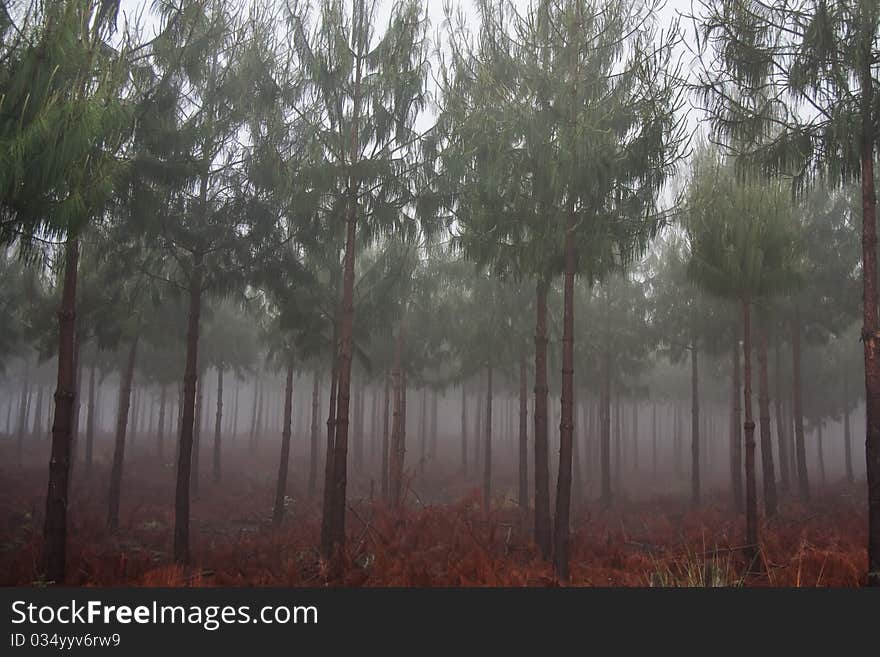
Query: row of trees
(273, 154)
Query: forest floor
(447, 541)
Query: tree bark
(90, 421)
(385, 435)
(55, 528)
(281, 488)
(423, 438)
(847, 435)
(797, 401)
(605, 419)
(543, 537)
(217, 425)
(566, 422)
(160, 433)
(523, 493)
(767, 469)
(329, 456)
(695, 425)
(782, 441)
(398, 449)
(313, 451)
(820, 453)
(185, 448)
(749, 428)
(487, 448)
(119, 445)
(197, 435)
(736, 436)
(464, 430)
(24, 411)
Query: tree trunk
(464, 430)
(767, 470)
(803, 481)
(487, 449)
(566, 422)
(543, 537)
(781, 440)
(749, 428)
(233, 429)
(385, 435)
(119, 445)
(313, 450)
(24, 411)
(736, 437)
(397, 447)
(523, 434)
(605, 419)
(329, 456)
(870, 328)
(281, 488)
(185, 448)
(217, 425)
(252, 439)
(432, 448)
(90, 421)
(55, 529)
(423, 438)
(695, 425)
(197, 435)
(847, 437)
(820, 453)
(160, 437)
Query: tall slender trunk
(252, 439)
(767, 470)
(566, 422)
(197, 435)
(330, 454)
(523, 493)
(487, 449)
(800, 447)
(398, 449)
(233, 428)
(55, 529)
(605, 419)
(281, 488)
(736, 436)
(23, 411)
(358, 429)
(820, 454)
(781, 440)
(336, 508)
(695, 425)
(160, 436)
(423, 437)
(217, 425)
(654, 439)
(847, 437)
(543, 536)
(749, 427)
(185, 448)
(119, 445)
(635, 434)
(464, 430)
(870, 328)
(90, 421)
(313, 449)
(618, 440)
(386, 403)
(37, 426)
(478, 426)
(259, 422)
(432, 448)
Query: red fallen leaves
(662, 542)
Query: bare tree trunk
(24, 411)
(654, 439)
(432, 448)
(785, 480)
(90, 421)
(523, 434)
(464, 430)
(217, 425)
(313, 453)
(197, 435)
(185, 449)
(767, 469)
(749, 427)
(160, 437)
(487, 450)
(605, 419)
(847, 437)
(281, 488)
(736, 436)
(423, 438)
(55, 529)
(385, 435)
(329, 456)
(119, 446)
(543, 536)
(695, 425)
(398, 448)
(803, 481)
(820, 453)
